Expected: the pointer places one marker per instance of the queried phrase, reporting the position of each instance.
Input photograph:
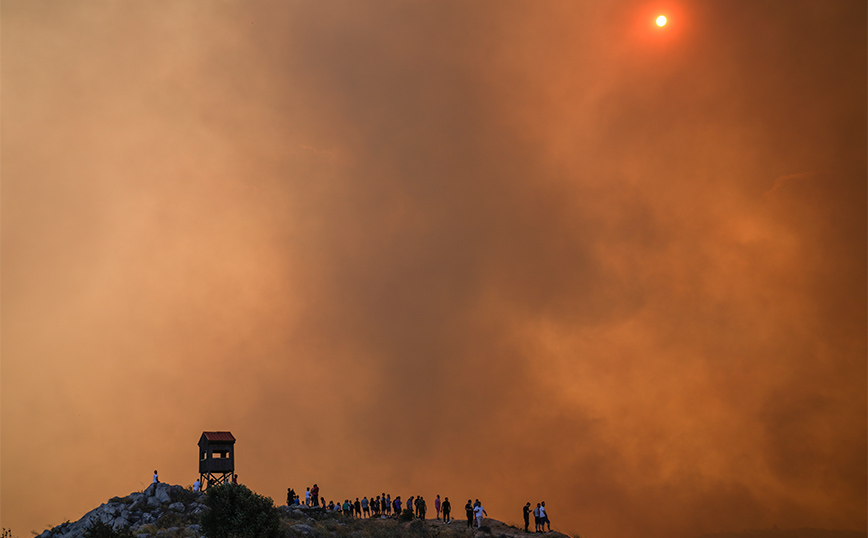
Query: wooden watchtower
(216, 458)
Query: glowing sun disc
(661, 21)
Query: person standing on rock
(469, 509)
(479, 511)
(544, 518)
(536, 518)
(437, 507)
(156, 478)
(314, 495)
(423, 507)
(447, 510)
(197, 486)
(526, 513)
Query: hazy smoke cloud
(513, 251)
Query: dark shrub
(237, 512)
(406, 515)
(98, 529)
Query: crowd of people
(384, 506)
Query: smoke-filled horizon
(514, 251)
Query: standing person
(437, 506)
(526, 513)
(290, 497)
(314, 495)
(307, 497)
(197, 486)
(544, 517)
(388, 505)
(397, 506)
(447, 510)
(365, 512)
(357, 507)
(234, 479)
(536, 518)
(156, 479)
(423, 508)
(479, 511)
(469, 509)
(409, 504)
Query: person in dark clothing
(447, 510)
(422, 508)
(469, 509)
(526, 513)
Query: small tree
(237, 512)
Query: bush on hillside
(98, 529)
(406, 515)
(237, 512)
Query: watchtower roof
(225, 437)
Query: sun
(661, 20)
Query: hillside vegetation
(169, 511)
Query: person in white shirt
(156, 478)
(544, 517)
(479, 511)
(197, 486)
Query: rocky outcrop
(167, 511)
(159, 507)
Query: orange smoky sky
(507, 250)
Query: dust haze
(514, 251)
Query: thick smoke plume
(514, 251)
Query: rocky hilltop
(161, 507)
(171, 511)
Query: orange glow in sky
(661, 20)
(513, 251)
